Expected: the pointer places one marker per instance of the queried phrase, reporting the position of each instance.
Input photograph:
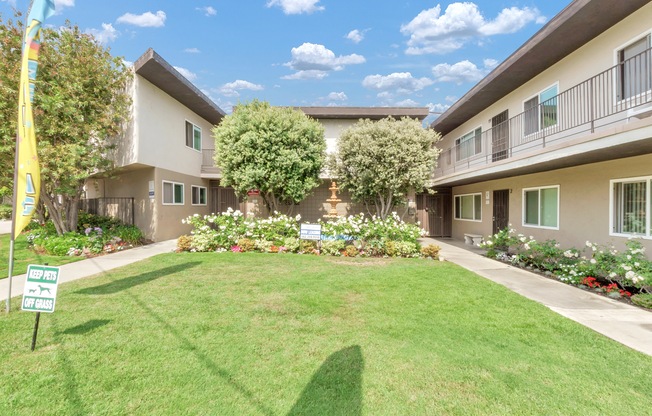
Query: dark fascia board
(372, 113)
(159, 72)
(580, 22)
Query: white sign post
(310, 232)
(40, 294)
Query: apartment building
(557, 140)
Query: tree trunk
(55, 213)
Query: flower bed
(605, 270)
(351, 236)
(95, 235)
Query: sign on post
(40, 292)
(310, 232)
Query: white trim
(192, 195)
(466, 219)
(539, 124)
(201, 136)
(616, 52)
(183, 193)
(648, 208)
(523, 207)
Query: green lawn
(24, 257)
(271, 334)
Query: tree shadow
(139, 279)
(336, 387)
(86, 327)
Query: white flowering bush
(360, 227)
(599, 263)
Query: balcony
(600, 104)
(208, 168)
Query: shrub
(184, 243)
(5, 212)
(291, 244)
(643, 299)
(407, 248)
(264, 245)
(431, 250)
(351, 251)
(307, 246)
(332, 247)
(247, 244)
(86, 220)
(375, 247)
(129, 234)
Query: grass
(257, 334)
(23, 256)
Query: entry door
(500, 136)
(501, 210)
(223, 198)
(436, 213)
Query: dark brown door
(435, 214)
(499, 136)
(223, 198)
(501, 210)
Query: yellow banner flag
(28, 172)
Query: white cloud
(396, 83)
(11, 3)
(190, 76)
(147, 19)
(192, 50)
(407, 103)
(232, 89)
(207, 10)
(105, 35)
(459, 73)
(296, 6)
(355, 36)
(437, 108)
(312, 61)
(433, 32)
(337, 96)
(58, 5)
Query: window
(193, 136)
(469, 145)
(540, 111)
(468, 207)
(630, 206)
(541, 207)
(198, 195)
(634, 69)
(172, 193)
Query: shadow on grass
(336, 387)
(86, 327)
(205, 360)
(139, 279)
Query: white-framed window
(541, 111)
(193, 136)
(468, 207)
(541, 207)
(198, 195)
(172, 193)
(630, 206)
(469, 145)
(634, 75)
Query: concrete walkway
(626, 324)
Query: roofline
(578, 23)
(159, 72)
(373, 113)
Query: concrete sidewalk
(626, 324)
(89, 267)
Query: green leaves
(278, 150)
(378, 162)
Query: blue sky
(316, 52)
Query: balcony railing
(608, 98)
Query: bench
(473, 239)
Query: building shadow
(139, 279)
(336, 387)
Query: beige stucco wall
(584, 205)
(158, 132)
(591, 59)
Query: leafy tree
(80, 107)
(378, 162)
(277, 150)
